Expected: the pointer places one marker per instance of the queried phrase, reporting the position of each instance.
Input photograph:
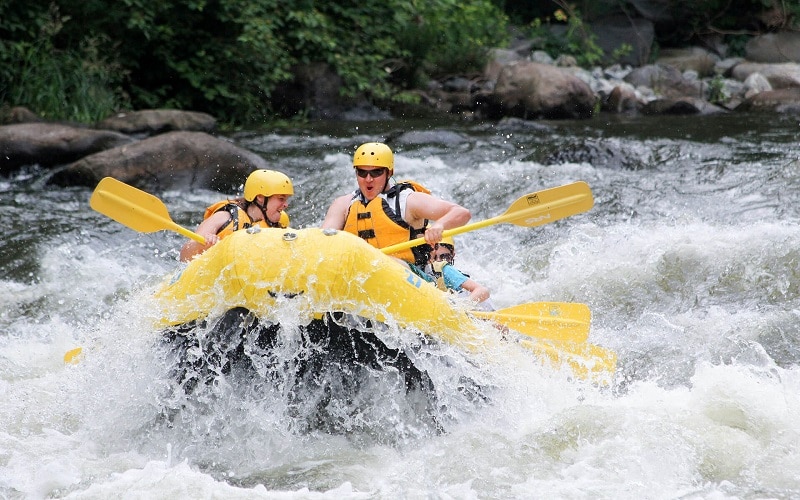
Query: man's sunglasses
(374, 173)
(444, 256)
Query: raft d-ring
(289, 236)
(253, 229)
(329, 231)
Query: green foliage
(356, 39)
(228, 57)
(77, 83)
(406, 97)
(716, 90)
(621, 51)
(576, 40)
(441, 37)
(222, 57)
(581, 42)
(84, 59)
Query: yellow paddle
(134, 208)
(73, 355)
(530, 210)
(587, 361)
(560, 321)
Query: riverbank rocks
(694, 59)
(680, 79)
(158, 149)
(778, 47)
(780, 75)
(665, 81)
(781, 101)
(535, 90)
(184, 160)
(50, 144)
(164, 148)
(156, 121)
(680, 106)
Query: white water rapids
(689, 261)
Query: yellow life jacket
(237, 215)
(381, 224)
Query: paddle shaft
(526, 211)
(560, 321)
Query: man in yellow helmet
(384, 214)
(266, 196)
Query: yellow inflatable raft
(321, 271)
(318, 270)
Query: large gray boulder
(50, 144)
(498, 59)
(531, 90)
(774, 48)
(175, 160)
(18, 114)
(665, 80)
(156, 121)
(614, 33)
(656, 11)
(695, 59)
(780, 101)
(779, 75)
(681, 106)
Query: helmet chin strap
(263, 208)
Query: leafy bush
(569, 35)
(84, 59)
(716, 90)
(227, 57)
(77, 83)
(442, 37)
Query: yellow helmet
(448, 241)
(374, 154)
(267, 183)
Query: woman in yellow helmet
(384, 214)
(266, 196)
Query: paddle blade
(560, 321)
(134, 208)
(73, 356)
(129, 206)
(586, 361)
(549, 205)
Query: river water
(689, 261)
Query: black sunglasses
(374, 173)
(443, 256)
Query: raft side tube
(323, 271)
